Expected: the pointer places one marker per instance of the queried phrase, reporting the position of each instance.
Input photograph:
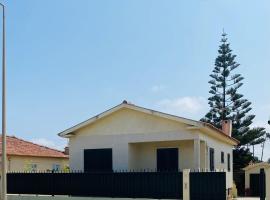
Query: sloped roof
(19, 147)
(192, 123)
(256, 165)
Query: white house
(254, 168)
(129, 137)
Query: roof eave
(204, 127)
(37, 156)
(222, 135)
(193, 124)
(70, 131)
(262, 164)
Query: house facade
(254, 168)
(129, 137)
(25, 156)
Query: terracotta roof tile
(19, 147)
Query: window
(229, 162)
(31, 167)
(167, 159)
(56, 167)
(212, 159)
(222, 157)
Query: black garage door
(98, 160)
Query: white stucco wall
(220, 147)
(118, 130)
(134, 137)
(143, 155)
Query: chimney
(227, 127)
(66, 150)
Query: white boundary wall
(267, 177)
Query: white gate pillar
(186, 193)
(267, 182)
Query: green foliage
(66, 169)
(242, 157)
(234, 191)
(227, 103)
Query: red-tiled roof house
(26, 156)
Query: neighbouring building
(129, 137)
(26, 156)
(252, 180)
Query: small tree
(267, 137)
(227, 103)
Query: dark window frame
(229, 162)
(222, 157)
(212, 159)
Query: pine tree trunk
(262, 151)
(224, 97)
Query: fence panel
(121, 184)
(254, 185)
(239, 179)
(208, 186)
(262, 184)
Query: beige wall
(118, 130)
(20, 163)
(143, 155)
(219, 147)
(126, 121)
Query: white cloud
(157, 88)
(193, 107)
(49, 143)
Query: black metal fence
(262, 184)
(112, 184)
(254, 185)
(239, 180)
(207, 186)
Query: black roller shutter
(167, 159)
(98, 160)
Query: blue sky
(68, 60)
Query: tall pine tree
(227, 103)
